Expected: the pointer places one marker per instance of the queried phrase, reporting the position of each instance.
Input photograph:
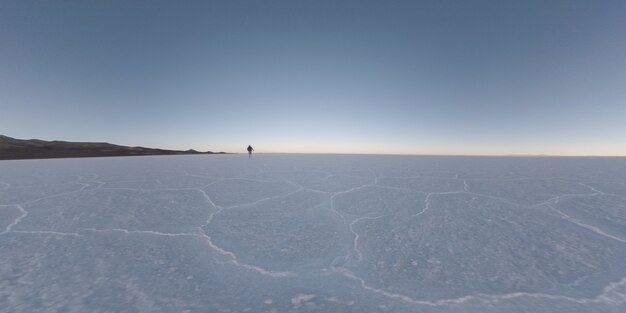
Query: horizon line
(449, 155)
(536, 155)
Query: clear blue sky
(434, 77)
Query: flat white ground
(313, 233)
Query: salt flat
(313, 233)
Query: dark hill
(11, 148)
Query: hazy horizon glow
(375, 77)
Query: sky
(385, 77)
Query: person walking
(250, 149)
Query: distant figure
(250, 149)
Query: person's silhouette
(250, 149)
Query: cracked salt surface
(313, 233)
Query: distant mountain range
(11, 149)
